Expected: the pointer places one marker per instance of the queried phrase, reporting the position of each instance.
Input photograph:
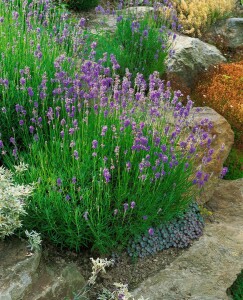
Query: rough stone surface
(28, 276)
(228, 32)
(16, 269)
(223, 139)
(212, 264)
(191, 58)
(55, 280)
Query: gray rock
(17, 268)
(228, 32)
(55, 280)
(212, 264)
(223, 138)
(191, 58)
(27, 276)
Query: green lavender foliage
(103, 150)
(139, 44)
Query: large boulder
(191, 58)
(210, 265)
(222, 140)
(228, 32)
(17, 268)
(30, 276)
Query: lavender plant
(33, 34)
(112, 158)
(140, 41)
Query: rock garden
(121, 150)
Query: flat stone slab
(211, 264)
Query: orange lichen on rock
(224, 93)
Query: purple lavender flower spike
(133, 204)
(59, 181)
(75, 154)
(94, 144)
(107, 175)
(151, 231)
(125, 205)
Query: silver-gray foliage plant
(12, 198)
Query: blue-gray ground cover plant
(178, 233)
(111, 157)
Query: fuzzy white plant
(34, 240)
(12, 198)
(121, 293)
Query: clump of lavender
(112, 158)
(141, 40)
(34, 34)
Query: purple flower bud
(67, 197)
(74, 180)
(81, 22)
(151, 231)
(12, 140)
(104, 129)
(75, 154)
(107, 175)
(128, 165)
(21, 122)
(30, 92)
(22, 81)
(71, 131)
(125, 205)
(63, 122)
(15, 152)
(1, 144)
(59, 181)
(145, 33)
(94, 144)
(210, 152)
(133, 204)
(199, 174)
(224, 172)
(31, 129)
(163, 148)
